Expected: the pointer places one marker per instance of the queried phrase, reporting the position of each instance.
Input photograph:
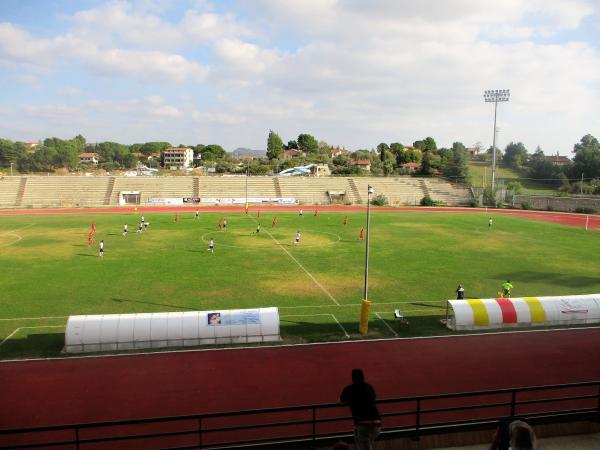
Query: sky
(353, 73)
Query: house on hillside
(290, 153)
(363, 164)
(31, 146)
(411, 166)
(336, 151)
(181, 158)
(558, 160)
(472, 151)
(88, 158)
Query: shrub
(549, 207)
(526, 205)
(427, 201)
(379, 200)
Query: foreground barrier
(94, 333)
(527, 311)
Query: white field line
(37, 318)
(304, 315)
(280, 307)
(343, 329)
(18, 229)
(351, 305)
(12, 233)
(313, 315)
(303, 268)
(27, 328)
(386, 324)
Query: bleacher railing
(311, 423)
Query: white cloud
(244, 56)
(18, 46)
(69, 91)
(350, 72)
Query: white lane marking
(386, 324)
(303, 268)
(343, 329)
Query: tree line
(567, 177)
(384, 159)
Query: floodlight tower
(495, 96)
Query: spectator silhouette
(516, 435)
(360, 397)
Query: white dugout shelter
(489, 313)
(94, 333)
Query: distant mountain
(239, 152)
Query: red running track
(75, 390)
(570, 219)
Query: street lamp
(495, 96)
(366, 304)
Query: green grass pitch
(416, 261)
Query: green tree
(274, 145)
(307, 143)
(426, 164)
(540, 167)
(587, 158)
(153, 147)
(291, 145)
(11, 152)
(80, 143)
(427, 144)
(457, 168)
(65, 153)
(515, 155)
(387, 158)
(213, 152)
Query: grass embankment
(480, 170)
(416, 261)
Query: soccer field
(416, 261)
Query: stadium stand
(9, 188)
(399, 191)
(64, 192)
(148, 187)
(76, 191)
(449, 193)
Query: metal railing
(311, 423)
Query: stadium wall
(565, 204)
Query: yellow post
(364, 316)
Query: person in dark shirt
(360, 397)
(460, 292)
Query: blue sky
(352, 73)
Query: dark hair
(358, 376)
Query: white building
(179, 157)
(88, 158)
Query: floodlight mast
(495, 96)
